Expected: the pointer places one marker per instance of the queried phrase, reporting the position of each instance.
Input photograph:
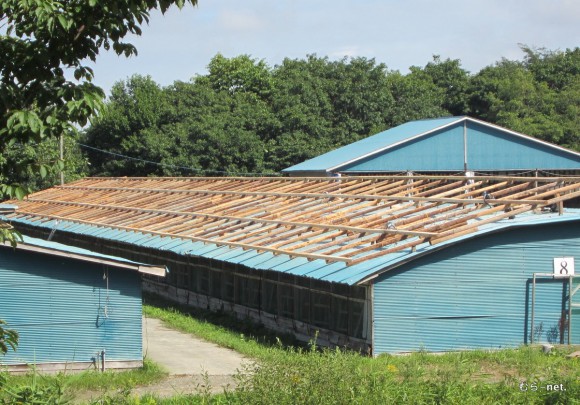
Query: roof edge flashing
(109, 261)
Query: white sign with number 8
(563, 266)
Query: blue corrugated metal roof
(372, 144)
(338, 272)
(49, 246)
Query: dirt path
(183, 354)
(194, 365)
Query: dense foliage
(43, 43)
(244, 116)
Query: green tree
(187, 128)
(415, 97)
(128, 125)
(560, 72)
(452, 79)
(43, 40)
(508, 94)
(323, 104)
(21, 162)
(558, 69)
(244, 116)
(241, 73)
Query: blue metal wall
(441, 150)
(488, 149)
(475, 294)
(63, 311)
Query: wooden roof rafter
(347, 219)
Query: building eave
(29, 246)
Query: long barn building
(380, 264)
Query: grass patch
(67, 385)
(94, 380)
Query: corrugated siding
(63, 311)
(371, 144)
(475, 294)
(491, 149)
(442, 150)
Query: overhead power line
(191, 169)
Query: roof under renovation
(342, 230)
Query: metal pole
(533, 304)
(61, 158)
(465, 145)
(570, 309)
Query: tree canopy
(46, 89)
(244, 116)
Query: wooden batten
(347, 219)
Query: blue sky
(180, 44)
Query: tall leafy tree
(21, 162)
(42, 41)
(558, 69)
(415, 97)
(127, 125)
(244, 116)
(560, 72)
(452, 79)
(508, 94)
(323, 104)
(239, 74)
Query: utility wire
(192, 169)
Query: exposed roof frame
(351, 220)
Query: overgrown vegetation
(244, 116)
(287, 374)
(34, 388)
